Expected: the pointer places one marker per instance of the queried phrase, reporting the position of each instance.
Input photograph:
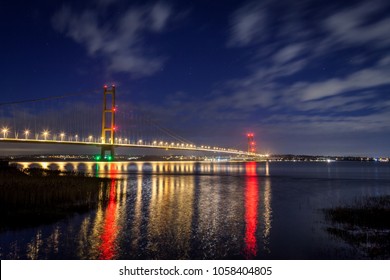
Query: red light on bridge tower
(251, 143)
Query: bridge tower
(251, 143)
(108, 122)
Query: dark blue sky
(307, 77)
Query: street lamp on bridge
(45, 134)
(26, 133)
(5, 131)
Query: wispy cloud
(363, 79)
(288, 53)
(360, 24)
(247, 25)
(120, 41)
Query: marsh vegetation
(365, 225)
(34, 196)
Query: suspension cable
(95, 91)
(165, 130)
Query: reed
(365, 225)
(33, 196)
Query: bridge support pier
(110, 150)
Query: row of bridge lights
(46, 134)
(161, 143)
(166, 144)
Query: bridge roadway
(183, 147)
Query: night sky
(307, 77)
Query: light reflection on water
(251, 206)
(122, 169)
(189, 210)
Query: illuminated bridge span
(51, 124)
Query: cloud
(362, 79)
(159, 15)
(288, 53)
(121, 42)
(325, 124)
(247, 25)
(356, 25)
(342, 104)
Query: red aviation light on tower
(105, 86)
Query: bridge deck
(132, 145)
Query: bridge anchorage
(108, 123)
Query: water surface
(192, 210)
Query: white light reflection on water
(122, 169)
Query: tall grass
(370, 212)
(32, 196)
(365, 225)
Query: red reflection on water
(251, 204)
(113, 170)
(110, 228)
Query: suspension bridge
(36, 122)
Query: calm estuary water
(190, 210)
